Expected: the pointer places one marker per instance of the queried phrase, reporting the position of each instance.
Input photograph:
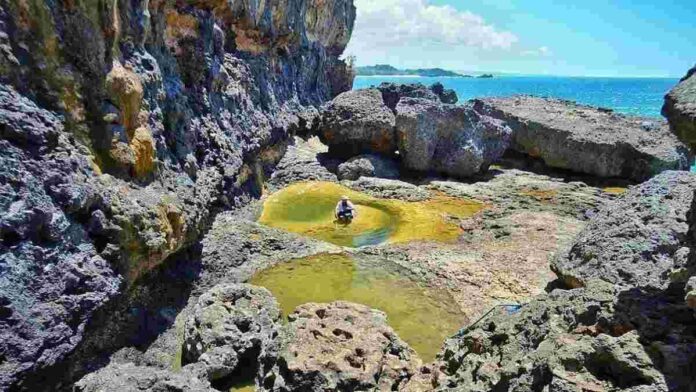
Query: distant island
(388, 70)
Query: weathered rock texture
(565, 341)
(125, 126)
(345, 347)
(588, 140)
(627, 327)
(358, 121)
(643, 239)
(454, 140)
(429, 132)
(368, 165)
(680, 109)
(132, 378)
(233, 329)
(393, 93)
(362, 121)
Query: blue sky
(561, 37)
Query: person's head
(345, 198)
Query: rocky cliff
(124, 127)
(680, 108)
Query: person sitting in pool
(345, 210)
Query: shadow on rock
(135, 320)
(666, 329)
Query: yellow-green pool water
(423, 317)
(308, 208)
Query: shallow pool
(423, 317)
(308, 208)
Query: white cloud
(381, 23)
(542, 51)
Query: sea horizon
(637, 96)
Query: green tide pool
(423, 317)
(308, 209)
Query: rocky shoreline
(141, 143)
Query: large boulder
(132, 378)
(392, 93)
(680, 109)
(345, 347)
(643, 239)
(368, 165)
(588, 140)
(358, 121)
(449, 139)
(233, 326)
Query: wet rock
(680, 109)
(392, 93)
(566, 340)
(232, 327)
(588, 140)
(132, 378)
(643, 239)
(369, 165)
(358, 121)
(449, 139)
(344, 346)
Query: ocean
(634, 96)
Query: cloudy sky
(559, 37)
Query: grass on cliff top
(308, 208)
(423, 317)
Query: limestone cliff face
(124, 126)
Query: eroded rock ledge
(588, 140)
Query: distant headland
(388, 70)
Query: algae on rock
(421, 315)
(308, 208)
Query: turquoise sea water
(635, 96)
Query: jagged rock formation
(429, 132)
(588, 140)
(644, 239)
(565, 341)
(393, 93)
(232, 329)
(680, 109)
(629, 325)
(125, 127)
(449, 139)
(345, 347)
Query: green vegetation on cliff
(386, 70)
